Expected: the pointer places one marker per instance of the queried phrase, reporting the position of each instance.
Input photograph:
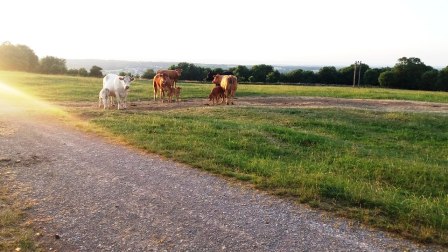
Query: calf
(216, 94)
(103, 98)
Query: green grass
(385, 169)
(65, 88)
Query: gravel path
(92, 195)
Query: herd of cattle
(165, 84)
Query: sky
(280, 32)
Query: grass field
(65, 88)
(385, 169)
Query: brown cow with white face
(173, 74)
(163, 85)
(229, 83)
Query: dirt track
(97, 196)
(291, 102)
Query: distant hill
(139, 67)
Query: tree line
(408, 73)
(22, 58)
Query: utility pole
(359, 75)
(354, 74)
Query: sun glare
(16, 101)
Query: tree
(294, 76)
(408, 72)
(242, 72)
(309, 77)
(429, 80)
(371, 76)
(83, 72)
(273, 77)
(52, 65)
(442, 80)
(17, 58)
(259, 72)
(328, 75)
(123, 73)
(190, 71)
(387, 79)
(149, 74)
(95, 71)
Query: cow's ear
(132, 78)
(121, 78)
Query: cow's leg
(119, 105)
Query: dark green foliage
(387, 79)
(242, 72)
(328, 75)
(408, 72)
(371, 76)
(428, 80)
(260, 72)
(442, 80)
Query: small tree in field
(95, 71)
(83, 72)
(148, 74)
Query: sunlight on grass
(15, 101)
(19, 104)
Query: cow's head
(216, 79)
(126, 81)
(179, 71)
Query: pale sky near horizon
(285, 32)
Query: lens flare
(16, 102)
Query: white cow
(118, 87)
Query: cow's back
(110, 81)
(229, 82)
(173, 74)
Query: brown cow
(162, 85)
(229, 83)
(216, 94)
(173, 74)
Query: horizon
(316, 33)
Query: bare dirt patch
(286, 102)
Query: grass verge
(14, 232)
